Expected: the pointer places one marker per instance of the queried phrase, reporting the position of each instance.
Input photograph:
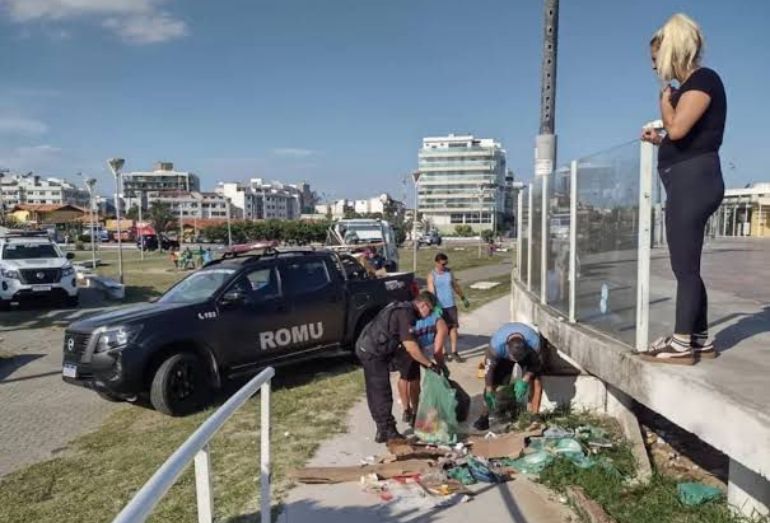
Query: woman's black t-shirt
(706, 135)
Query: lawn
(99, 472)
(461, 256)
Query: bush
(79, 245)
(487, 235)
(289, 231)
(463, 230)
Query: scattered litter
(508, 445)
(462, 474)
(286, 434)
(369, 460)
(556, 431)
(694, 494)
(345, 474)
(481, 471)
(532, 464)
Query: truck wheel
(5, 305)
(180, 385)
(109, 396)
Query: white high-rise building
(29, 189)
(462, 181)
(265, 201)
(149, 184)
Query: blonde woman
(688, 164)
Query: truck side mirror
(70, 255)
(233, 297)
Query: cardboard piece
(344, 474)
(509, 445)
(401, 450)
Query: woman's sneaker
(669, 350)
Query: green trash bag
(436, 420)
(694, 494)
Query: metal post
(572, 238)
(519, 227)
(181, 224)
(760, 221)
(141, 236)
(481, 207)
(529, 237)
(264, 454)
(644, 250)
(203, 491)
(229, 229)
(544, 243)
(116, 164)
(735, 217)
(416, 178)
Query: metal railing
(196, 448)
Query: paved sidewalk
(520, 500)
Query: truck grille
(34, 276)
(75, 343)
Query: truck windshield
(198, 286)
(25, 251)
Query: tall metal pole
(229, 230)
(481, 203)
(90, 185)
(116, 164)
(141, 235)
(416, 178)
(545, 142)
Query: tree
(161, 217)
(132, 213)
(463, 230)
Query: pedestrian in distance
(175, 258)
(388, 341)
(442, 283)
(430, 332)
(512, 344)
(693, 116)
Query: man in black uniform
(388, 340)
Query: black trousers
(694, 191)
(379, 395)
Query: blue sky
(340, 92)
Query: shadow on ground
(10, 365)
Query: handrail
(195, 448)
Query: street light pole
(229, 230)
(116, 164)
(141, 234)
(416, 178)
(90, 185)
(481, 208)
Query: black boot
(387, 433)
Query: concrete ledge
(678, 393)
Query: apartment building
(464, 180)
(148, 184)
(30, 189)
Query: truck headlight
(117, 337)
(11, 274)
(68, 270)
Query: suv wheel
(180, 385)
(5, 305)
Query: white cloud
(292, 152)
(22, 126)
(135, 21)
(147, 29)
(44, 158)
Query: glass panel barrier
(524, 234)
(557, 280)
(537, 217)
(607, 241)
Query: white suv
(32, 265)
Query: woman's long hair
(679, 45)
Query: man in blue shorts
(512, 343)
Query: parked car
(167, 243)
(239, 314)
(430, 238)
(150, 242)
(32, 265)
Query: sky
(340, 93)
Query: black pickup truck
(233, 317)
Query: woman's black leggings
(694, 190)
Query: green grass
(99, 472)
(655, 502)
(461, 256)
(479, 297)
